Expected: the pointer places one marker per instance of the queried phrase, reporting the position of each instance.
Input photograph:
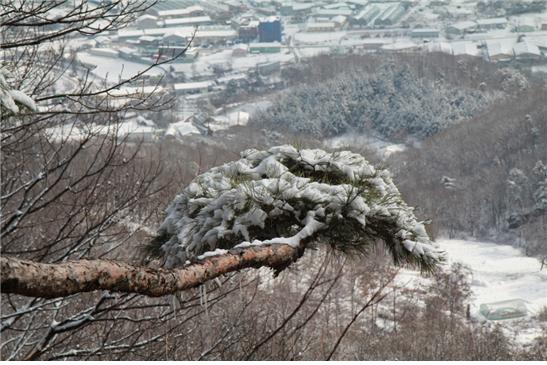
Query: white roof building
(105, 52)
(359, 2)
(186, 12)
(443, 47)
(462, 27)
(320, 26)
(499, 51)
(193, 87)
(465, 48)
(188, 21)
(334, 12)
(492, 23)
(147, 21)
(233, 77)
(339, 20)
(180, 129)
(526, 50)
(201, 34)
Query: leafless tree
(72, 184)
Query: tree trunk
(58, 280)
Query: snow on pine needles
(288, 196)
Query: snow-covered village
(282, 180)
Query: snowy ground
(114, 68)
(502, 272)
(383, 148)
(499, 272)
(239, 113)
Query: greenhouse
(506, 309)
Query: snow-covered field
(382, 147)
(498, 273)
(502, 272)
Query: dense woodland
(391, 101)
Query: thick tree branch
(58, 280)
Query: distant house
(268, 68)
(169, 51)
(215, 35)
(130, 54)
(180, 129)
(248, 32)
(240, 50)
(103, 52)
(499, 51)
(239, 79)
(424, 33)
(273, 47)
(188, 21)
(203, 34)
(366, 43)
(365, 16)
(338, 5)
(321, 27)
(146, 21)
(358, 3)
(465, 48)
(391, 15)
(190, 11)
(296, 9)
(525, 25)
(402, 46)
(193, 87)
(267, 10)
(201, 121)
(334, 12)
(526, 50)
(175, 39)
(540, 42)
(491, 24)
(443, 47)
(148, 40)
(461, 28)
(102, 40)
(339, 20)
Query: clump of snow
(11, 99)
(290, 196)
(216, 252)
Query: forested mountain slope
(391, 96)
(486, 177)
(391, 101)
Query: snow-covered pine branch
(265, 208)
(290, 196)
(10, 99)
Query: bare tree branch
(57, 280)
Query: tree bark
(36, 279)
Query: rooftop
(188, 20)
(193, 85)
(180, 12)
